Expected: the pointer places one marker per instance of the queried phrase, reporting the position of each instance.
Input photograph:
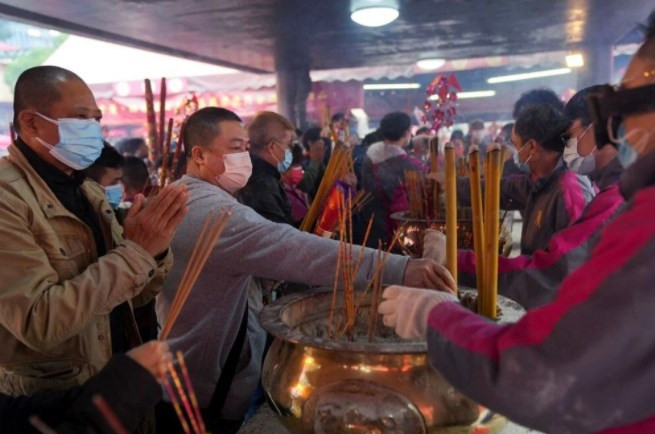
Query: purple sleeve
(562, 366)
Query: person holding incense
(549, 196)
(212, 324)
(581, 363)
(70, 274)
(129, 383)
(383, 176)
(532, 280)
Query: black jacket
(130, 391)
(265, 193)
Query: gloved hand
(406, 309)
(434, 246)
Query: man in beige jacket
(68, 271)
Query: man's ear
(26, 122)
(198, 155)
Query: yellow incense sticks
(478, 218)
(492, 216)
(451, 211)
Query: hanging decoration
(441, 101)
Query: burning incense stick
(40, 425)
(209, 234)
(151, 122)
(478, 218)
(108, 414)
(167, 149)
(162, 115)
(183, 397)
(176, 404)
(178, 151)
(192, 393)
(451, 211)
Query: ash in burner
(319, 328)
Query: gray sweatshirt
(249, 246)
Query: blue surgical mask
(284, 165)
(627, 154)
(522, 165)
(80, 141)
(114, 194)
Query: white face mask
(238, 168)
(582, 165)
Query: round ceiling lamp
(430, 64)
(373, 13)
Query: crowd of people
(92, 257)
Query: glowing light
(35, 33)
(574, 60)
(529, 75)
(470, 95)
(392, 86)
(374, 13)
(430, 64)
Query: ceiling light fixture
(574, 60)
(470, 95)
(392, 86)
(373, 13)
(430, 64)
(529, 75)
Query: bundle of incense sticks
(416, 194)
(152, 123)
(346, 273)
(451, 211)
(188, 412)
(329, 220)
(162, 115)
(340, 164)
(209, 235)
(167, 150)
(487, 306)
(478, 218)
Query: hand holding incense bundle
(478, 218)
(152, 123)
(451, 211)
(492, 216)
(209, 234)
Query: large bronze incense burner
(318, 384)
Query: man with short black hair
(383, 175)
(214, 322)
(69, 271)
(136, 178)
(541, 96)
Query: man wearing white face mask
(69, 271)
(582, 154)
(214, 323)
(270, 136)
(583, 362)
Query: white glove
(434, 246)
(406, 309)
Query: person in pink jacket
(583, 362)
